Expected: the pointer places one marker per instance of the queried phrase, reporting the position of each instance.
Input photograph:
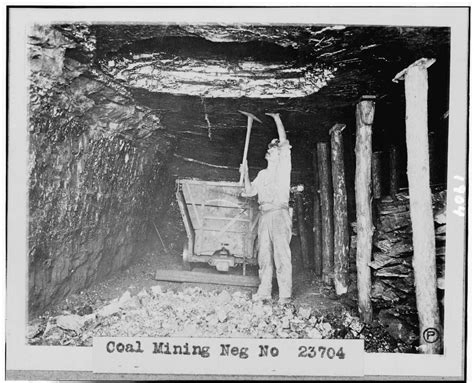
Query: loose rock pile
(393, 248)
(193, 312)
(393, 287)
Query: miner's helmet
(274, 143)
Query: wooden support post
(318, 263)
(394, 185)
(431, 150)
(302, 230)
(364, 119)
(341, 234)
(421, 213)
(326, 211)
(377, 175)
(376, 183)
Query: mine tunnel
(119, 114)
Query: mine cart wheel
(186, 264)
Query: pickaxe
(250, 118)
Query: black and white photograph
(236, 192)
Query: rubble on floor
(195, 312)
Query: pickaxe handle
(250, 118)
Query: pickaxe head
(250, 115)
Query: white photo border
(21, 357)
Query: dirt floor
(133, 303)
(306, 288)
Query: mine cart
(221, 226)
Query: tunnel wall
(97, 173)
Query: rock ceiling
(216, 78)
(261, 61)
(195, 78)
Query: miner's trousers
(274, 235)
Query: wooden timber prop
(377, 175)
(302, 230)
(326, 211)
(432, 155)
(318, 264)
(364, 118)
(341, 235)
(421, 213)
(393, 164)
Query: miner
(272, 186)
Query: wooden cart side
(183, 208)
(215, 216)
